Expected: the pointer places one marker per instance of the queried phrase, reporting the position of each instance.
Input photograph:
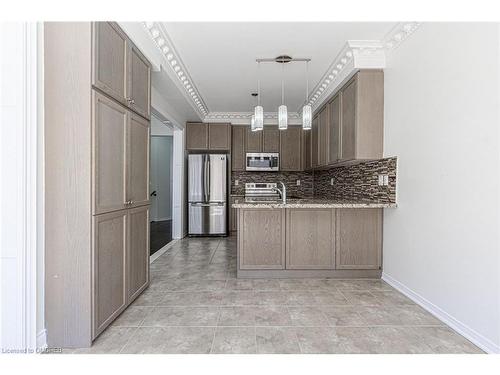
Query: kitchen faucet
(282, 192)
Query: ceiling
(220, 58)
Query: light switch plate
(331, 181)
(386, 180)
(236, 182)
(380, 180)
(298, 182)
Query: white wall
(441, 244)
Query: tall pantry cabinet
(97, 133)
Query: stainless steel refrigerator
(207, 194)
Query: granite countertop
(315, 203)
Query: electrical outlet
(298, 182)
(331, 181)
(236, 182)
(386, 180)
(380, 180)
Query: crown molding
(176, 67)
(399, 34)
(243, 118)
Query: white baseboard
(162, 251)
(41, 339)
(476, 338)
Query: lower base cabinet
(261, 235)
(311, 240)
(359, 238)
(120, 263)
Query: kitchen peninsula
(310, 238)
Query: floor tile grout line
(128, 340)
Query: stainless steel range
(261, 191)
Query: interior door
(109, 126)
(138, 88)
(217, 165)
(138, 161)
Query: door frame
(171, 174)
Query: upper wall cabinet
(270, 139)
(253, 140)
(238, 148)
(119, 69)
(291, 149)
(208, 137)
(362, 117)
(334, 130)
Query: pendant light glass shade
(258, 118)
(306, 117)
(282, 117)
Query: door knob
(153, 194)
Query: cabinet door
(139, 77)
(310, 242)
(138, 252)
(219, 136)
(334, 130)
(138, 161)
(323, 136)
(359, 238)
(238, 148)
(261, 239)
(109, 256)
(314, 142)
(253, 141)
(291, 149)
(196, 136)
(271, 139)
(348, 129)
(306, 136)
(109, 124)
(233, 218)
(110, 60)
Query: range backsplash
(305, 190)
(358, 181)
(350, 182)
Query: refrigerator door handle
(205, 178)
(209, 178)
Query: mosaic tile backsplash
(305, 190)
(358, 181)
(350, 182)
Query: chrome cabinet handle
(130, 100)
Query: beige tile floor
(195, 304)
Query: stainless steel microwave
(262, 161)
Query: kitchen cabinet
(196, 136)
(119, 68)
(219, 137)
(138, 251)
(359, 238)
(334, 130)
(362, 116)
(238, 148)
(138, 161)
(110, 122)
(306, 156)
(208, 137)
(139, 77)
(270, 139)
(109, 257)
(233, 215)
(253, 140)
(310, 239)
(323, 141)
(291, 149)
(314, 142)
(96, 178)
(261, 240)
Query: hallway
(195, 304)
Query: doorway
(161, 191)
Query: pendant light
(252, 119)
(258, 123)
(282, 110)
(306, 109)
